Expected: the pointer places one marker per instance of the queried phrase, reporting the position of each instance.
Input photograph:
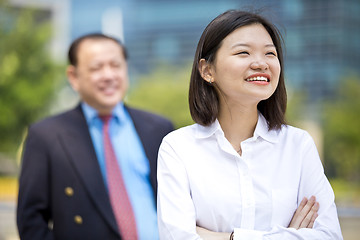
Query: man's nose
(108, 72)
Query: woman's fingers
(313, 220)
(296, 220)
(305, 214)
(307, 221)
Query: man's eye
(116, 65)
(94, 68)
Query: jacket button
(78, 219)
(69, 191)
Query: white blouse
(202, 181)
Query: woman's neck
(238, 123)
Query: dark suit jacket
(61, 182)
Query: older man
(90, 173)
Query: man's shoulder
(146, 121)
(57, 120)
(149, 116)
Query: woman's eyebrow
(248, 45)
(270, 45)
(240, 45)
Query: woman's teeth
(258, 78)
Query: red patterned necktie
(118, 196)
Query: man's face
(100, 77)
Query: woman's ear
(205, 71)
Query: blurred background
(322, 69)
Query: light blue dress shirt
(133, 163)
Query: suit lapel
(143, 129)
(78, 144)
(146, 132)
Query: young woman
(240, 170)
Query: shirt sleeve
(313, 182)
(174, 197)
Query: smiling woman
(246, 69)
(240, 171)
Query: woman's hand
(306, 214)
(304, 217)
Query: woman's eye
(243, 52)
(271, 53)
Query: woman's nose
(259, 64)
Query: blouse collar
(261, 130)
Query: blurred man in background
(90, 173)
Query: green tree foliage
(28, 75)
(342, 132)
(164, 91)
(296, 106)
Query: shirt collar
(261, 130)
(91, 113)
(207, 131)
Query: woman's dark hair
(203, 97)
(73, 50)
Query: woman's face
(246, 69)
